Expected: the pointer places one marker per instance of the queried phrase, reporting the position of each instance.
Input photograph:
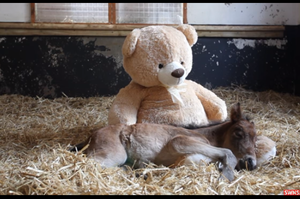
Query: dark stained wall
(51, 66)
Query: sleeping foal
(231, 143)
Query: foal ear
(236, 113)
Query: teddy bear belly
(173, 114)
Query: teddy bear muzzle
(172, 74)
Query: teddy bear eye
(181, 62)
(160, 66)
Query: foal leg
(106, 148)
(186, 145)
(265, 149)
(198, 159)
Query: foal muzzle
(247, 163)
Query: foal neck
(215, 134)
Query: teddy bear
(158, 59)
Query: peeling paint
(276, 42)
(2, 39)
(241, 43)
(53, 55)
(19, 39)
(108, 48)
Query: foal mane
(234, 110)
(211, 123)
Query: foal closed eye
(239, 134)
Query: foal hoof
(228, 173)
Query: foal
(231, 143)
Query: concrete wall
(15, 12)
(244, 13)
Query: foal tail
(81, 146)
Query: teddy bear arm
(125, 106)
(214, 106)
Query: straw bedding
(36, 134)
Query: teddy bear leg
(265, 149)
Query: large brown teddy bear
(158, 60)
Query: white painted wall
(15, 12)
(244, 13)
(200, 13)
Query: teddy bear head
(159, 55)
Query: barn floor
(36, 134)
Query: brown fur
(231, 143)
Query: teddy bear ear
(190, 33)
(129, 44)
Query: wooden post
(185, 21)
(112, 13)
(32, 10)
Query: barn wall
(15, 12)
(51, 66)
(244, 13)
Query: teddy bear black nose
(178, 73)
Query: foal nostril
(249, 161)
(250, 164)
(247, 164)
(178, 73)
(240, 165)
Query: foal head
(240, 139)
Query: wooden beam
(45, 32)
(240, 34)
(72, 26)
(122, 30)
(249, 28)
